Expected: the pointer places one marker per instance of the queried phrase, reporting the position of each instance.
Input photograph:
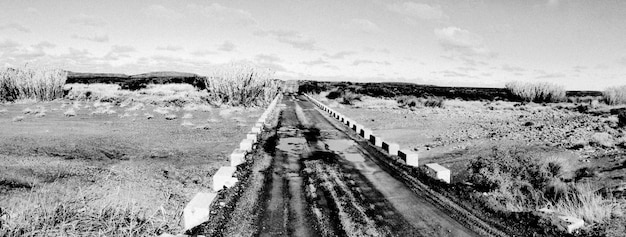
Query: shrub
(412, 101)
(31, 83)
(242, 85)
(614, 95)
(602, 139)
(556, 190)
(350, 97)
(584, 172)
(434, 102)
(334, 94)
(409, 101)
(517, 179)
(621, 116)
(536, 92)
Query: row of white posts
(393, 149)
(197, 210)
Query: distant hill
(169, 74)
(392, 89)
(135, 82)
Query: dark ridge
(135, 82)
(393, 89)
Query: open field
(589, 148)
(84, 172)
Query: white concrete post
(198, 210)
(237, 157)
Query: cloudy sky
(579, 44)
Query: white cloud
(512, 69)
(227, 46)
(161, 11)
(15, 52)
(202, 52)
(119, 51)
(367, 61)
(267, 58)
(87, 20)
(553, 3)
(270, 61)
(315, 62)
(170, 48)
(544, 75)
(339, 55)
(450, 73)
(293, 38)
(363, 25)
(32, 10)
(44, 44)
(223, 14)
(423, 11)
(99, 38)
(462, 41)
(9, 44)
(15, 26)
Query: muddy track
(325, 181)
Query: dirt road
(325, 182)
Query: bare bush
(614, 95)
(31, 83)
(536, 92)
(242, 85)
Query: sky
(580, 45)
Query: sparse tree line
(235, 85)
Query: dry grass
(55, 211)
(41, 84)
(614, 95)
(536, 92)
(242, 85)
(584, 203)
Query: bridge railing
(409, 157)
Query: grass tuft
(584, 203)
(26, 83)
(614, 95)
(242, 85)
(536, 92)
(75, 214)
